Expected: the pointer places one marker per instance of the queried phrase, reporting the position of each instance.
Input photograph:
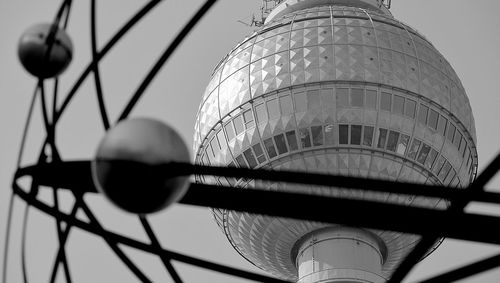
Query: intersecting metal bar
(466, 271)
(91, 228)
(426, 243)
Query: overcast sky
(465, 32)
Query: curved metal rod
(7, 239)
(62, 240)
(466, 270)
(164, 57)
(123, 30)
(62, 243)
(92, 228)
(95, 66)
(154, 241)
(113, 244)
(23, 243)
(426, 243)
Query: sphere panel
(338, 90)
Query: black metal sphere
(33, 50)
(124, 168)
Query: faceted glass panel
(229, 131)
(313, 102)
(248, 118)
(238, 124)
(356, 134)
(368, 136)
(300, 102)
(261, 112)
(343, 134)
(286, 105)
(273, 109)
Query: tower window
(410, 108)
(329, 134)
(343, 134)
(305, 137)
(439, 165)
(248, 117)
(403, 144)
(229, 131)
(286, 105)
(422, 114)
(399, 103)
(250, 158)
(291, 139)
(357, 97)
(385, 101)
(430, 160)
(273, 109)
(382, 137)
(412, 153)
(280, 143)
(342, 97)
(442, 125)
(368, 136)
(317, 135)
(392, 141)
(356, 134)
(422, 156)
(257, 148)
(433, 119)
(371, 99)
(269, 145)
(451, 132)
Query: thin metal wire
(62, 240)
(164, 57)
(95, 66)
(466, 270)
(111, 242)
(426, 243)
(93, 228)
(62, 243)
(154, 241)
(23, 243)
(109, 45)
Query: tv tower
(339, 87)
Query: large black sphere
(33, 51)
(126, 167)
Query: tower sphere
(122, 168)
(337, 87)
(33, 50)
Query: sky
(465, 32)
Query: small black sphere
(33, 50)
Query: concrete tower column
(341, 255)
